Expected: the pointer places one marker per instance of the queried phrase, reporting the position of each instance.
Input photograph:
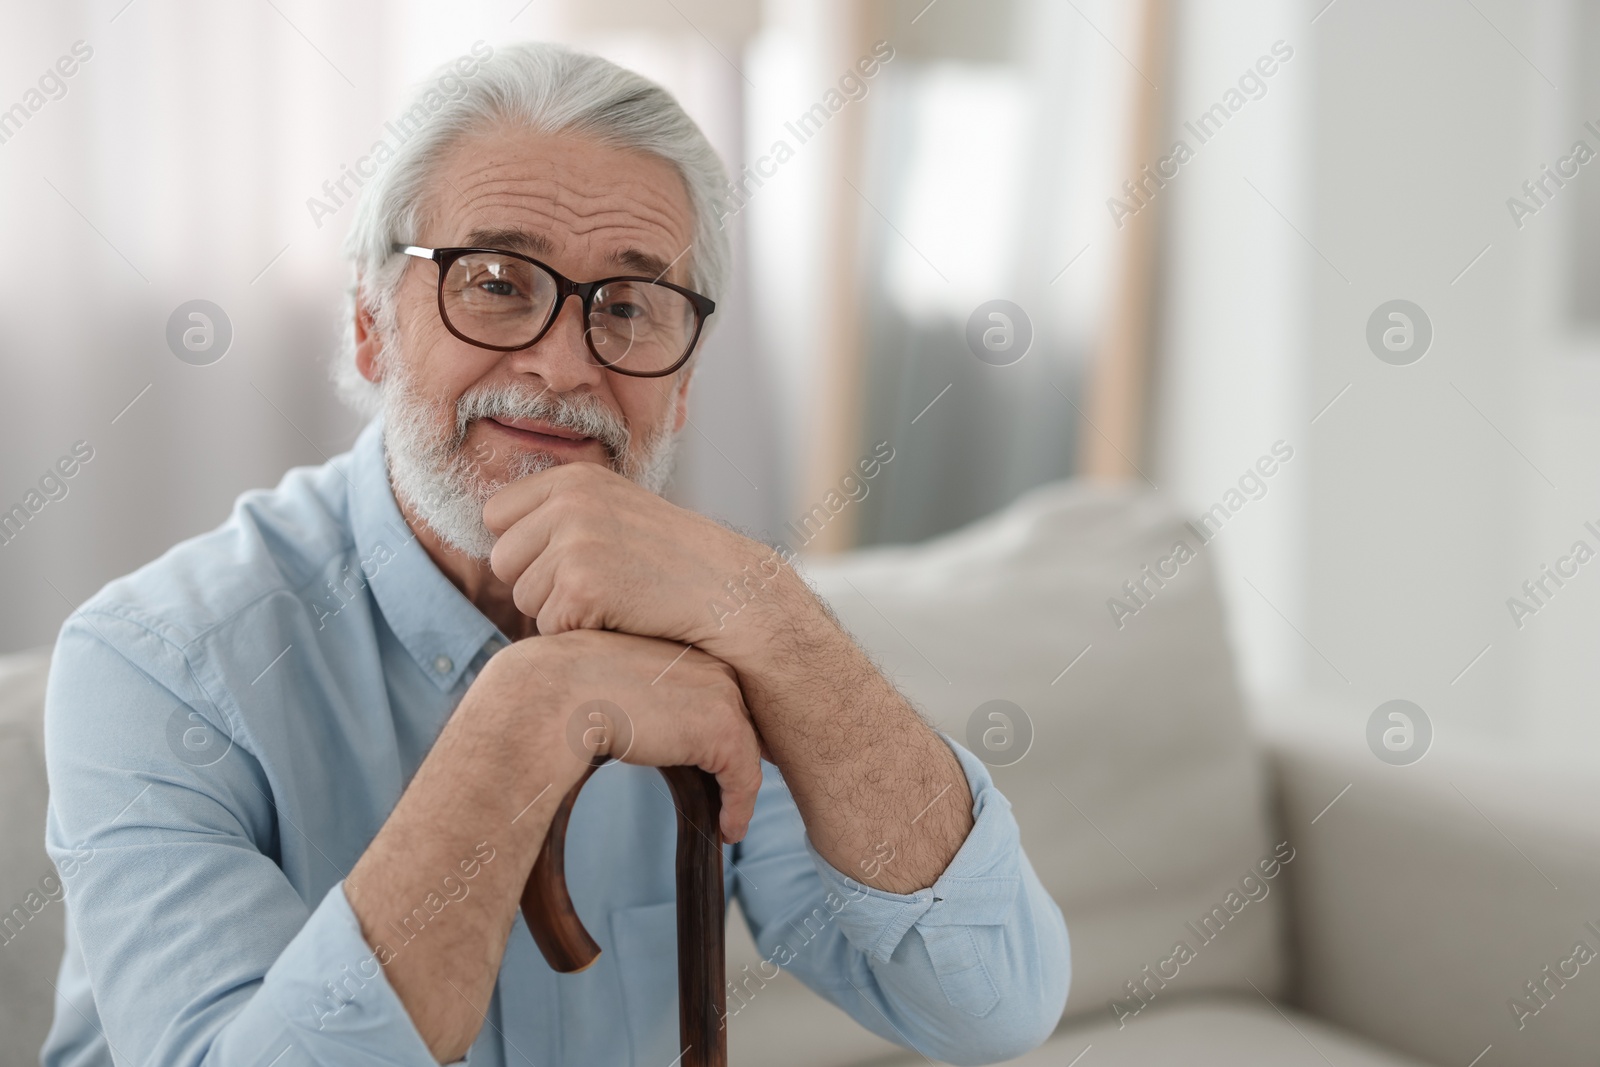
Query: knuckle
(561, 600)
(583, 571)
(552, 621)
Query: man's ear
(680, 399)
(367, 342)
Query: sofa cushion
(1224, 1032)
(31, 914)
(1458, 879)
(1140, 796)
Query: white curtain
(179, 161)
(176, 163)
(997, 137)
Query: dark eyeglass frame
(565, 287)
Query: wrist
(764, 617)
(528, 704)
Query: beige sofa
(1393, 927)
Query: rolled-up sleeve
(970, 970)
(197, 948)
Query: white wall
(1425, 474)
(1426, 494)
(1553, 672)
(1231, 381)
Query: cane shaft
(567, 946)
(701, 984)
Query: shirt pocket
(646, 944)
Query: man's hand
(585, 548)
(503, 762)
(679, 707)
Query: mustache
(582, 413)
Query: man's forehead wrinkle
(628, 225)
(491, 160)
(639, 240)
(640, 200)
(580, 210)
(558, 184)
(486, 208)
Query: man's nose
(562, 357)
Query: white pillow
(1142, 798)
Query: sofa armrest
(1427, 897)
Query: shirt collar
(437, 624)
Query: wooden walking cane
(567, 946)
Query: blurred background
(1184, 312)
(1321, 277)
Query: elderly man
(302, 765)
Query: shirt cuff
(978, 888)
(332, 994)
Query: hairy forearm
(883, 797)
(437, 890)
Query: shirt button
(442, 664)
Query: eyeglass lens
(505, 301)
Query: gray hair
(535, 86)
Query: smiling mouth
(545, 436)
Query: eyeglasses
(506, 301)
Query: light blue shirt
(228, 727)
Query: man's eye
(497, 287)
(622, 310)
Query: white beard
(444, 485)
